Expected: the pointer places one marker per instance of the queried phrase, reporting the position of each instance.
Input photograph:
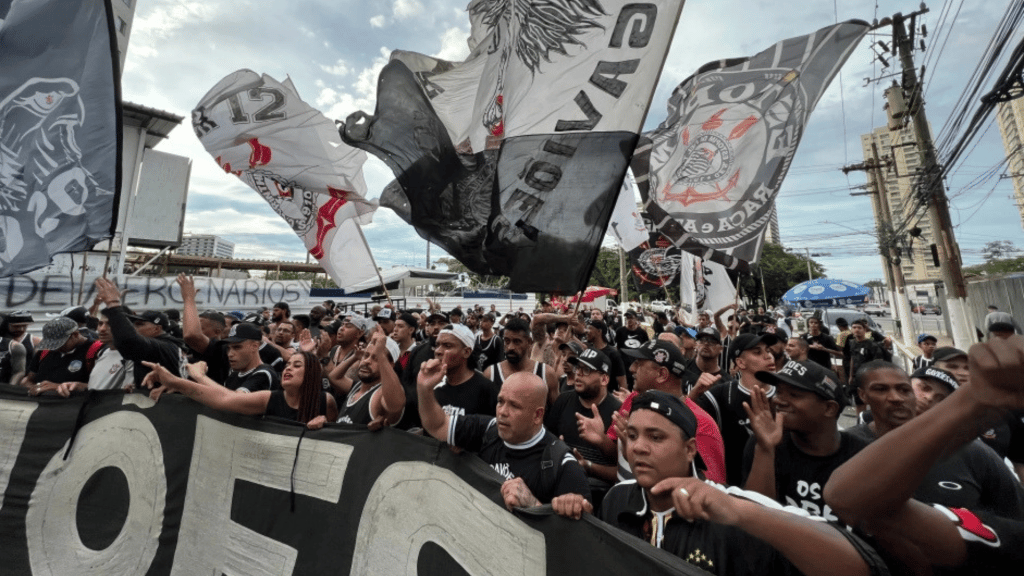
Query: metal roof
(157, 123)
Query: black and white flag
(60, 129)
(512, 160)
(710, 172)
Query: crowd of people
(719, 442)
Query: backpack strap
(551, 460)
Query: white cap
(462, 332)
(394, 350)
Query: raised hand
(431, 373)
(591, 429)
(703, 384)
(187, 286)
(767, 428)
(996, 372)
(306, 343)
(107, 292)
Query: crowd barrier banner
(107, 483)
(53, 293)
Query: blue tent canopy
(824, 292)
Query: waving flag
(626, 226)
(710, 172)
(260, 130)
(704, 285)
(60, 129)
(655, 263)
(512, 160)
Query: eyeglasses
(582, 370)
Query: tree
(606, 270)
(994, 267)
(780, 271)
(998, 250)
(475, 280)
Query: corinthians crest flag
(512, 160)
(710, 172)
(655, 263)
(60, 129)
(260, 130)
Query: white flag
(705, 285)
(626, 226)
(260, 130)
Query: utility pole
(933, 189)
(623, 278)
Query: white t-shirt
(111, 371)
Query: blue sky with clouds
(333, 50)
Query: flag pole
(375, 268)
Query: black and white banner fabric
(710, 172)
(60, 129)
(113, 484)
(512, 159)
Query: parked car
(875, 309)
(659, 306)
(927, 309)
(830, 315)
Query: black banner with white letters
(175, 488)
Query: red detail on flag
(715, 122)
(742, 127)
(691, 196)
(971, 523)
(325, 219)
(260, 155)
(686, 136)
(498, 128)
(227, 167)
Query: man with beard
(589, 396)
(518, 341)
(705, 370)
(536, 465)
(347, 354)
(724, 402)
(377, 394)
(281, 312)
(596, 330)
(385, 318)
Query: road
(928, 323)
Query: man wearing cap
(518, 341)
(248, 372)
(63, 355)
(377, 393)
(385, 318)
(672, 508)
(489, 347)
(433, 321)
(16, 346)
(463, 390)
(627, 337)
(926, 342)
(793, 453)
(974, 476)
(931, 385)
(862, 349)
(81, 316)
(705, 370)
(687, 337)
(724, 402)
(110, 372)
(140, 337)
(596, 331)
(589, 396)
(536, 465)
(567, 349)
(404, 335)
(353, 330)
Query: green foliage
(874, 284)
(994, 267)
(781, 271)
(475, 280)
(998, 250)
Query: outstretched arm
(389, 400)
(216, 397)
(191, 329)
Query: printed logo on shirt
(950, 485)
(632, 343)
(502, 468)
(811, 501)
(453, 410)
(989, 434)
(75, 366)
(972, 529)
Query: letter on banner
(437, 506)
(54, 545)
(209, 542)
(13, 422)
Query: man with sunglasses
(588, 396)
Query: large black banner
(174, 488)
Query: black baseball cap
(409, 319)
(630, 314)
(436, 315)
(593, 359)
(947, 353)
(709, 333)
(242, 331)
(599, 324)
(810, 376)
(661, 353)
(155, 316)
(745, 342)
(573, 346)
(77, 313)
(939, 375)
(670, 407)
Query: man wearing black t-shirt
(248, 373)
(670, 507)
(536, 465)
(63, 355)
(705, 370)
(792, 454)
(630, 337)
(596, 331)
(820, 346)
(724, 401)
(589, 396)
(463, 390)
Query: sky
(333, 51)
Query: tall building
(206, 245)
(772, 233)
(899, 177)
(1010, 117)
(124, 15)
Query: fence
(1005, 293)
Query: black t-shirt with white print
(724, 402)
(479, 434)
(478, 395)
(262, 377)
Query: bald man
(536, 465)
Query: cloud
(404, 9)
(378, 21)
(337, 69)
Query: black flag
(60, 129)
